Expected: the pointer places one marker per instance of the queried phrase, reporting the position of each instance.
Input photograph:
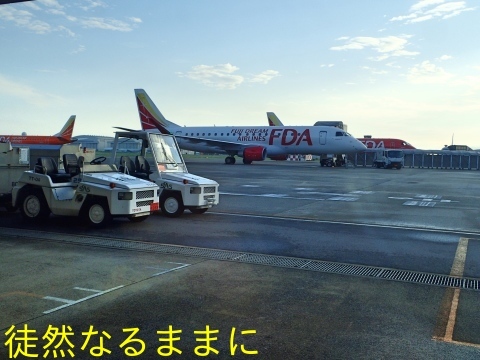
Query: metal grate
(144, 194)
(261, 259)
(144, 203)
(209, 190)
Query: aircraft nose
(359, 146)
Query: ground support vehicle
(388, 159)
(13, 162)
(331, 160)
(159, 159)
(94, 191)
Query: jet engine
(254, 153)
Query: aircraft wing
(124, 129)
(215, 144)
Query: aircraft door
(323, 137)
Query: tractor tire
(33, 205)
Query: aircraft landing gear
(229, 160)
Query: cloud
(23, 18)
(445, 57)
(430, 9)
(28, 19)
(91, 4)
(374, 71)
(424, 3)
(220, 76)
(387, 46)
(66, 30)
(224, 76)
(79, 49)
(428, 73)
(105, 24)
(135, 20)
(264, 77)
(50, 3)
(25, 92)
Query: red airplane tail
(150, 116)
(67, 130)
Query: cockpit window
(342, 133)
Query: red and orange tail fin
(150, 116)
(67, 130)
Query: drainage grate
(261, 259)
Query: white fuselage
(277, 140)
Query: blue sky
(403, 69)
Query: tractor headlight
(195, 190)
(125, 196)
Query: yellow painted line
(452, 317)
(460, 256)
(448, 310)
(465, 344)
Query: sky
(401, 69)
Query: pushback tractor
(156, 157)
(94, 191)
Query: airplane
(252, 143)
(64, 136)
(368, 141)
(386, 143)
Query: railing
(427, 159)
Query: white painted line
(334, 194)
(156, 268)
(171, 262)
(170, 270)
(343, 198)
(275, 195)
(271, 195)
(84, 289)
(400, 198)
(315, 221)
(308, 192)
(251, 186)
(59, 299)
(427, 203)
(84, 299)
(422, 196)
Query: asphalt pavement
(234, 270)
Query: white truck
(159, 159)
(94, 191)
(13, 162)
(388, 159)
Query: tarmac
(112, 293)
